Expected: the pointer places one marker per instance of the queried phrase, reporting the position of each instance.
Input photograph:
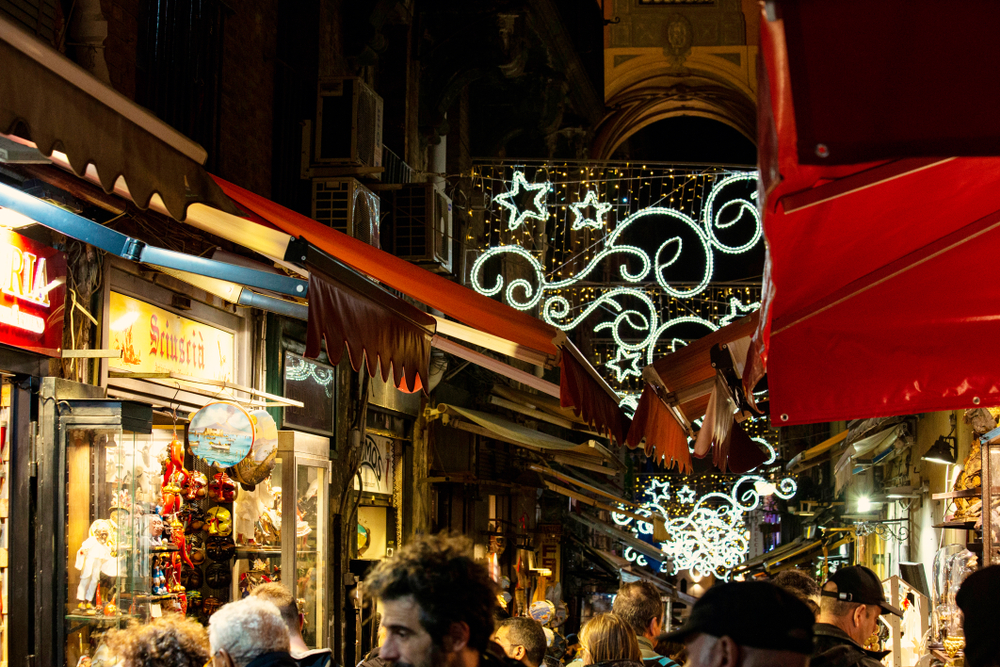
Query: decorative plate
(221, 434)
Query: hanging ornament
(221, 434)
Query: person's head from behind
(801, 585)
(852, 600)
(169, 641)
(280, 597)
(244, 630)
(977, 598)
(608, 638)
(638, 604)
(437, 603)
(522, 639)
(749, 624)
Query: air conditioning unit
(421, 226)
(348, 124)
(348, 206)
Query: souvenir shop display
(159, 519)
(279, 527)
(100, 534)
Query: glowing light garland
(581, 221)
(635, 323)
(518, 217)
(712, 538)
(301, 369)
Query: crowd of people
(439, 610)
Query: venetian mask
(222, 488)
(197, 486)
(220, 521)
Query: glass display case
(281, 530)
(990, 451)
(92, 550)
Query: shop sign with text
(154, 340)
(32, 294)
(376, 465)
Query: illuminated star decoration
(600, 210)
(658, 490)
(518, 217)
(736, 311)
(686, 495)
(626, 363)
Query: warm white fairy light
(636, 321)
(590, 201)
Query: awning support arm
(116, 243)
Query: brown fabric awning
(591, 403)
(49, 100)
(378, 329)
(654, 427)
(685, 386)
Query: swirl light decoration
(639, 272)
(709, 536)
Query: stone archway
(646, 85)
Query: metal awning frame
(121, 245)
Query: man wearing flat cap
(751, 624)
(849, 607)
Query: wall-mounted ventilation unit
(422, 226)
(348, 124)
(347, 206)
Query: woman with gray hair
(249, 633)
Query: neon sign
(32, 293)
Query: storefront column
(20, 629)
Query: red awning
(878, 293)
(580, 387)
(450, 298)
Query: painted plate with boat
(221, 434)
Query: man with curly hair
(437, 606)
(169, 641)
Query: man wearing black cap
(849, 605)
(977, 599)
(752, 624)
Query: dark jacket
(276, 659)
(319, 657)
(832, 647)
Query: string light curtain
(636, 258)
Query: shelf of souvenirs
(96, 617)
(964, 493)
(958, 524)
(249, 551)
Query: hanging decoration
(629, 252)
(221, 434)
(706, 534)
